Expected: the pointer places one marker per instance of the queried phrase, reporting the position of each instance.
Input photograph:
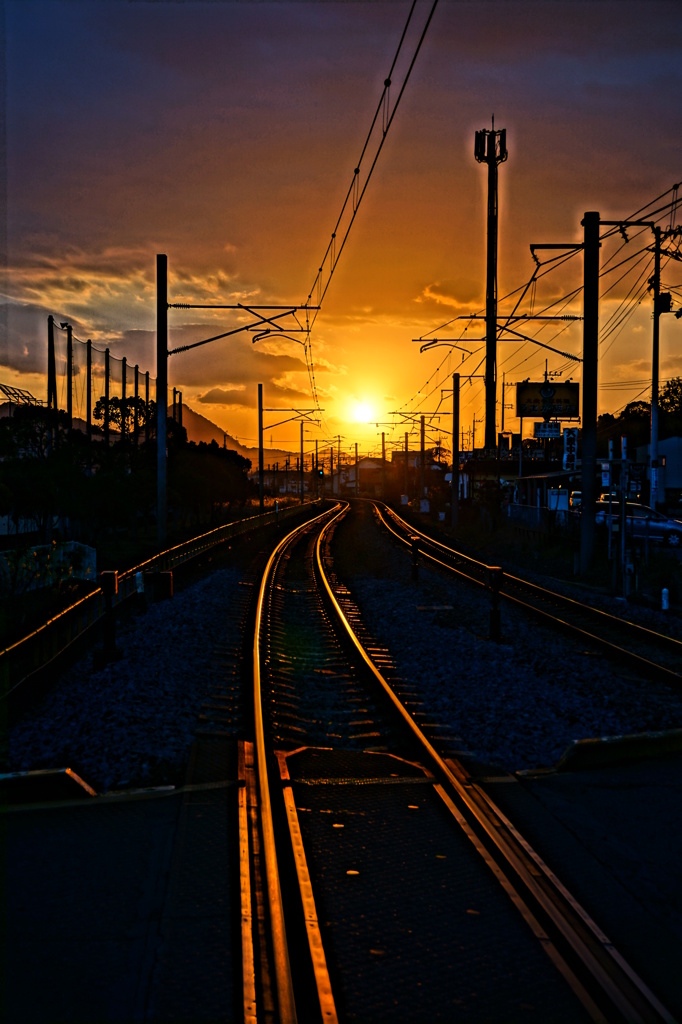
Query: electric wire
(355, 192)
(619, 317)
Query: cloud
(461, 294)
(241, 397)
(226, 134)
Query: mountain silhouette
(199, 428)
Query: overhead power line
(656, 211)
(355, 193)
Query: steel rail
(584, 938)
(644, 664)
(282, 967)
(44, 644)
(643, 631)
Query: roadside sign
(570, 447)
(546, 430)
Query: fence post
(69, 374)
(107, 369)
(495, 584)
(124, 369)
(88, 401)
(146, 407)
(136, 417)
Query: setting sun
(363, 411)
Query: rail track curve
(655, 654)
(599, 979)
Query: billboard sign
(570, 447)
(548, 399)
(546, 430)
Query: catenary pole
(161, 393)
(590, 371)
(51, 366)
(454, 501)
(653, 450)
(261, 492)
(301, 466)
(490, 147)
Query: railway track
(656, 655)
(378, 880)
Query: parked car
(642, 521)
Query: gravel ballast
(132, 722)
(517, 703)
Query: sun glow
(362, 411)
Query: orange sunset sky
(226, 136)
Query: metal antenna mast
(490, 147)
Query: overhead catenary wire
(355, 194)
(618, 318)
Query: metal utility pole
(407, 453)
(260, 450)
(590, 245)
(590, 367)
(88, 401)
(69, 374)
(51, 366)
(490, 147)
(124, 370)
(301, 480)
(423, 460)
(383, 465)
(454, 500)
(653, 450)
(357, 471)
(662, 304)
(264, 315)
(301, 415)
(161, 393)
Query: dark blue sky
(225, 134)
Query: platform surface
(123, 910)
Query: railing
(42, 646)
(541, 519)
